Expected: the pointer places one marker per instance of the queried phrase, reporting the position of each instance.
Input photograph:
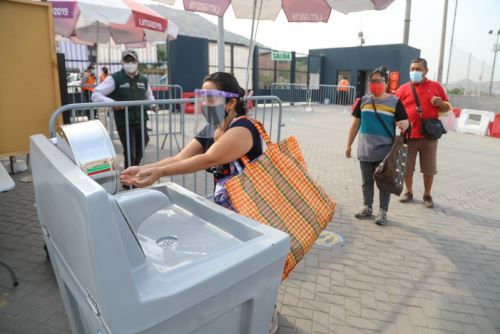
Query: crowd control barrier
(495, 127)
(178, 130)
(475, 121)
(320, 94)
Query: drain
(171, 241)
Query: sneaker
(273, 326)
(381, 217)
(406, 198)
(366, 213)
(428, 202)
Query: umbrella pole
(252, 44)
(220, 45)
(97, 54)
(109, 55)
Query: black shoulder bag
(432, 128)
(390, 173)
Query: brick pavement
(427, 271)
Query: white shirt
(107, 86)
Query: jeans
(135, 136)
(367, 169)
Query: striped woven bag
(276, 190)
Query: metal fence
(169, 121)
(323, 94)
(180, 127)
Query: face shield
(210, 111)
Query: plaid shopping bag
(277, 190)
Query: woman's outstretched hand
(145, 177)
(129, 173)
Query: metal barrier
(175, 116)
(81, 94)
(258, 108)
(333, 94)
(322, 94)
(267, 109)
(291, 92)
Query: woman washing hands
(220, 140)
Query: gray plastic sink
(173, 237)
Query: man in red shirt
(432, 99)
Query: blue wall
(188, 62)
(397, 57)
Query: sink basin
(173, 237)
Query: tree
(161, 50)
(456, 91)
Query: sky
(473, 21)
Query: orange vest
(343, 85)
(90, 81)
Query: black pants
(87, 98)
(367, 169)
(135, 137)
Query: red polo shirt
(425, 91)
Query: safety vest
(89, 85)
(343, 85)
(129, 89)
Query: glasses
(377, 81)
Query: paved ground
(427, 271)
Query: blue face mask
(416, 76)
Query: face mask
(214, 114)
(377, 88)
(416, 76)
(130, 67)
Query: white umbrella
(295, 11)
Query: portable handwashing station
(156, 260)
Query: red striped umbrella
(96, 21)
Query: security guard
(128, 85)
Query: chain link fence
(468, 75)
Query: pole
(480, 80)
(97, 55)
(443, 38)
(220, 45)
(406, 35)
(467, 75)
(494, 60)
(251, 47)
(451, 42)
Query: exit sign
(281, 56)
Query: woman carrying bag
(375, 117)
(220, 136)
(272, 187)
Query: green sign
(281, 56)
